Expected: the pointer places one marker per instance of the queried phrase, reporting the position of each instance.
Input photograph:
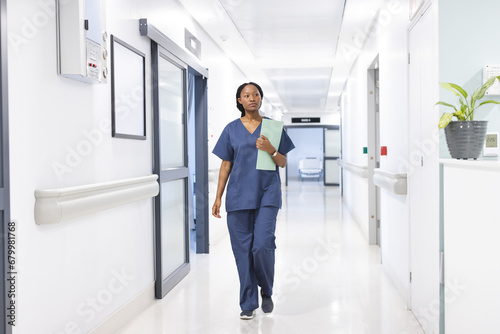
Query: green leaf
(466, 109)
(489, 101)
(460, 89)
(446, 104)
(473, 99)
(463, 113)
(463, 102)
(445, 120)
(479, 94)
(454, 88)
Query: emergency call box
(81, 41)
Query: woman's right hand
(216, 208)
(225, 170)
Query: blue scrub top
(249, 188)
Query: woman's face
(250, 98)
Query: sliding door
(331, 155)
(170, 163)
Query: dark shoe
(247, 315)
(267, 303)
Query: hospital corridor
(249, 167)
(328, 280)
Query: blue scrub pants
(253, 242)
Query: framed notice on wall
(490, 71)
(414, 7)
(128, 89)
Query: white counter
(471, 164)
(471, 237)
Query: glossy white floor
(328, 280)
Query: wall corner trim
(390, 181)
(57, 205)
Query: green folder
(272, 130)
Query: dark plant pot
(465, 139)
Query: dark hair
(238, 95)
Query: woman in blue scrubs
(253, 198)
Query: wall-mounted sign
(488, 72)
(128, 91)
(192, 43)
(306, 120)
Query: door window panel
(171, 103)
(173, 220)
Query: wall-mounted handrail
(354, 168)
(57, 205)
(390, 181)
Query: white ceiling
(295, 49)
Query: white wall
(464, 66)
(354, 132)
(394, 213)
(389, 41)
(75, 274)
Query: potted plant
(465, 136)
